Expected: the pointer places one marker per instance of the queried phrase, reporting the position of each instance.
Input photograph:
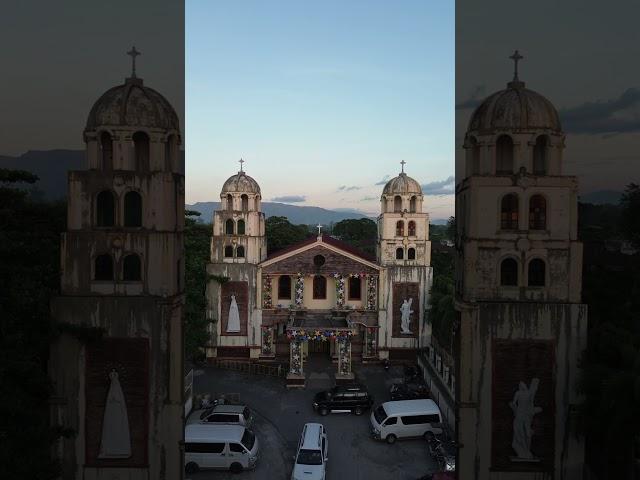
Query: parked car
(406, 419)
(343, 398)
(223, 415)
(222, 447)
(444, 452)
(409, 391)
(311, 458)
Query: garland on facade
(339, 290)
(299, 289)
(267, 340)
(296, 359)
(324, 335)
(371, 292)
(345, 357)
(267, 296)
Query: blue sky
(321, 99)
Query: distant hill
(602, 197)
(296, 214)
(51, 167)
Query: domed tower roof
(240, 183)
(403, 184)
(515, 108)
(132, 104)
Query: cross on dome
(133, 53)
(403, 163)
(516, 57)
(241, 161)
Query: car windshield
(248, 439)
(309, 457)
(246, 413)
(379, 414)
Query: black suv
(343, 398)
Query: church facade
(320, 295)
(116, 368)
(521, 325)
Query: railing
(188, 393)
(279, 370)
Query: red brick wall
(402, 291)
(130, 358)
(515, 361)
(241, 291)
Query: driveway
(281, 414)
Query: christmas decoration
(267, 299)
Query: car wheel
(358, 411)
(323, 411)
(235, 468)
(391, 439)
(191, 467)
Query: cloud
(384, 180)
(619, 115)
(290, 199)
(344, 188)
(476, 97)
(368, 199)
(440, 187)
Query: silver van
(222, 447)
(406, 419)
(223, 415)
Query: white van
(311, 457)
(224, 447)
(406, 419)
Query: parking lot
(281, 414)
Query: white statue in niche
(233, 322)
(116, 440)
(523, 413)
(406, 312)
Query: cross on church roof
(241, 161)
(319, 227)
(403, 163)
(133, 53)
(516, 57)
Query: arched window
(397, 204)
(240, 251)
(412, 228)
(411, 254)
(141, 149)
(229, 202)
(245, 202)
(509, 272)
(399, 228)
(537, 273)
(105, 209)
(170, 152)
(228, 227)
(509, 212)
(399, 254)
(284, 287)
(103, 267)
(540, 156)
(319, 287)
(504, 155)
(412, 204)
(228, 251)
(537, 213)
(132, 209)
(473, 157)
(106, 149)
(131, 269)
(240, 227)
(355, 290)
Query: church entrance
(320, 347)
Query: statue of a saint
(116, 440)
(523, 413)
(406, 312)
(233, 322)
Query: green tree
(281, 233)
(442, 313)
(197, 243)
(29, 277)
(360, 233)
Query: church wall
(564, 325)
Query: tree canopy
(281, 233)
(360, 233)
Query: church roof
(402, 184)
(326, 239)
(240, 182)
